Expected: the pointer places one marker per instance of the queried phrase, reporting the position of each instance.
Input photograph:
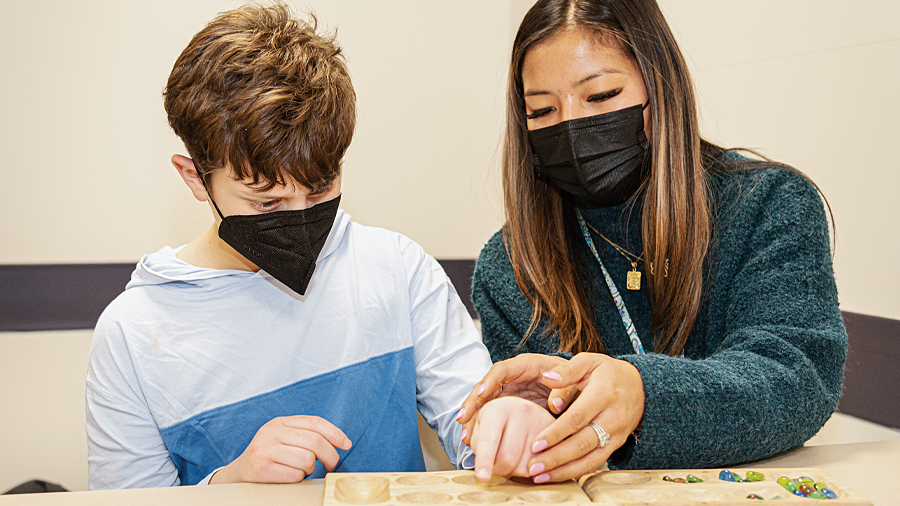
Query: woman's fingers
(592, 400)
(573, 372)
(579, 414)
(484, 391)
(514, 375)
(560, 398)
(582, 444)
(576, 468)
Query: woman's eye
(600, 97)
(540, 112)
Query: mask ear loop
(203, 182)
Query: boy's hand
(520, 376)
(285, 450)
(502, 435)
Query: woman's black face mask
(600, 160)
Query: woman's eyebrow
(597, 73)
(593, 75)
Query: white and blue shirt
(188, 363)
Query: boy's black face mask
(598, 160)
(286, 244)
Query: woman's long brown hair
(540, 233)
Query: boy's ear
(191, 177)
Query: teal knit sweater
(763, 366)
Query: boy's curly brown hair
(258, 89)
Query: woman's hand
(502, 436)
(520, 376)
(612, 396)
(285, 450)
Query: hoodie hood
(164, 267)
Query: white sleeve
(125, 447)
(450, 358)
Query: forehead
(567, 58)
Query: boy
(285, 340)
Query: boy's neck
(211, 252)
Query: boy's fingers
(298, 458)
(508, 456)
(560, 398)
(332, 434)
(485, 444)
(280, 473)
(315, 443)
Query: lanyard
(620, 305)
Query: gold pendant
(633, 280)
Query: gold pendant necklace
(633, 278)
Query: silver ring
(601, 434)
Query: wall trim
(58, 296)
(871, 383)
(72, 296)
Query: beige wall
(814, 84)
(85, 146)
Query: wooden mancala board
(623, 488)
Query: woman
(693, 286)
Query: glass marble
(787, 483)
(754, 476)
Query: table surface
(867, 468)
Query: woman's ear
(187, 171)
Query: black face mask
(286, 244)
(600, 160)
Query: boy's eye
(600, 97)
(540, 112)
(266, 206)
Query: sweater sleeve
(504, 312)
(125, 448)
(771, 371)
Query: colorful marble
(817, 495)
(726, 475)
(754, 476)
(693, 479)
(755, 497)
(806, 489)
(828, 492)
(787, 483)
